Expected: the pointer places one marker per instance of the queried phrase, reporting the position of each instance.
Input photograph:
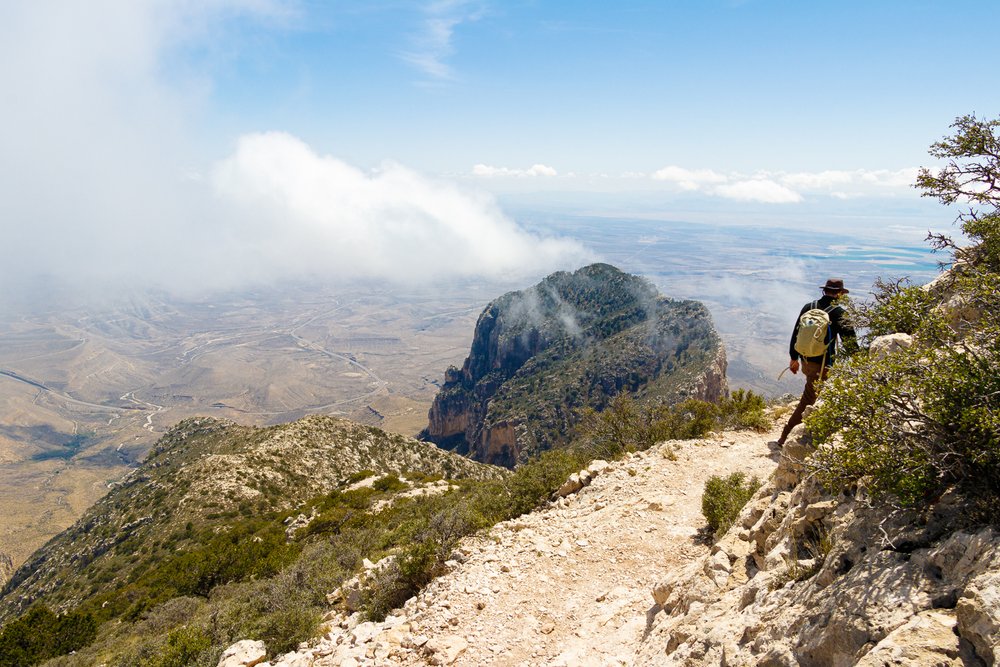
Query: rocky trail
(569, 584)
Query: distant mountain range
(575, 340)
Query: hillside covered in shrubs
(919, 415)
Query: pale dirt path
(570, 584)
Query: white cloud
(779, 187)
(541, 170)
(104, 185)
(729, 186)
(432, 45)
(307, 211)
(689, 179)
(758, 190)
(834, 180)
(488, 171)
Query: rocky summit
(540, 356)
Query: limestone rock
(717, 568)
(978, 614)
(349, 593)
(885, 345)
(926, 639)
(805, 578)
(244, 653)
(445, 650)
(570, 486)
(296, 659)
(598, 466)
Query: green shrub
(358, 476)
(534, 482)
(915, 422)
(284, 629)
(896, 307)
(744, 410)
(389, 483)
(40, 634)
(394, 584)
(184, 646)
(920, 421)
(723, 499)
(627, 426)
(690, 419)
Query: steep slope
(802, 579)
(806, 578)
(575, 340)
(565, 585)
(201, 477)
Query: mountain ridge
(573, 341)
(203, 473)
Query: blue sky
(596, 87)
(383, 138)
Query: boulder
(244, 653)
(445, 650)
(978, 613)
(926, 639)
(570, 486)
(886, 345)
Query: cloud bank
(105, 185)
(787, 187)
(308, 210)
(487, 171)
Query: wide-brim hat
(835, 285)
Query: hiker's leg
(811, 371)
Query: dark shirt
(839, 326)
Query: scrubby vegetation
(252, 580)
(920, 421)
(182, 597)
(723, 499)
(627, 425)
(41, 634)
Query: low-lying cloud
(302, 209)
(106, 183)
(488, 171)
(778, 187)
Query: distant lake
(689, 256)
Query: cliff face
(575, 340)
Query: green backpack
(814, 327)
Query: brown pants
(811, 370)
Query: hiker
(814, 341)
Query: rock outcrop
(575, 340)
(6, 568)
(805, 578)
